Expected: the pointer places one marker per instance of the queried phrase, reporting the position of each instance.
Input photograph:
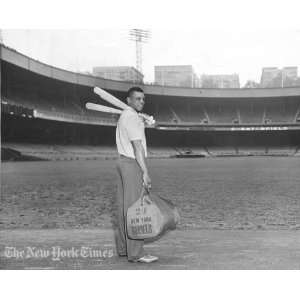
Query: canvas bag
(150, 217)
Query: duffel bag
(151, 216)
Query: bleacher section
(161, 152)
(197, 113)
(267, 150)
(71, 111)
(281, 112)
(56, 106)
(179, 113)
(251, 150)
(64, 152)
(189, 113)
(164, 114)
(220, 113)
(251, 113)
(221, 151)
(297, 116)
(282, 150)
(16, 109)
(201, 112)
(44, 94)
(197, 150)
(80, 152)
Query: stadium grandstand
(43, 114)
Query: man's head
(136, 98)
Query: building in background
(231, 81)
(177, 75)
(251, 84)
(290, 76)
(291, 72)
(271, 77)
(121, 73)
(275, 77)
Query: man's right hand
(147, 181)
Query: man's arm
(141, 160)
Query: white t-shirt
(130, 127)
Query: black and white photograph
(150, 148)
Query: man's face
(136, 100)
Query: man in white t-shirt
(133, 174)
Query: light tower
(139, 36)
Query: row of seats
(67, 106)
(56, 152)
(66, 112)
(287, 111)
(18, 110)
(251, 150)
(258, 113)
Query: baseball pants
(130, 182)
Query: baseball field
(236, 213)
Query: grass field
(221, 193)
(237, 213)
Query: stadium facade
(46, 105)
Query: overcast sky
(210, 51)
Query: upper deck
(11, 56)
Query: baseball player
(133, 172)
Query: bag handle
(144, 192)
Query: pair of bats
(116, 102)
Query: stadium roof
(12, 56)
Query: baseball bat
(118, 103)
(102, 108)
(110, 98)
